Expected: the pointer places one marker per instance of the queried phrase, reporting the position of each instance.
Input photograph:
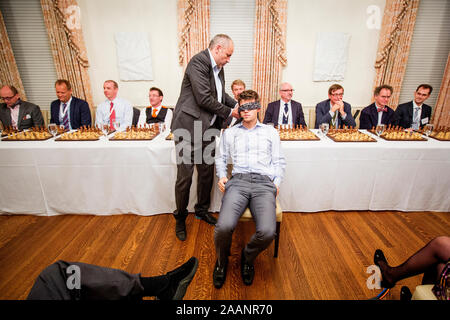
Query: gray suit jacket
(198, 97)
(29, 116)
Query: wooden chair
(247, 216)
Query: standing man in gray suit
(17, 113)
(199, 113)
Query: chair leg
(277, 240)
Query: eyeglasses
(7, 98)
(287, 90)
(337, 94)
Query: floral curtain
(441, 115)
(62, 20)
(394, 44)
(269, 49)
(10, 73)
(193, 28)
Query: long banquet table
(116, 177)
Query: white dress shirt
(256, 150)
(123, 109)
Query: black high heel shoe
(377, 257)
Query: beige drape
(193, 28)
(9, 74)
(62, 20)
(269, 49)
(394, 44)
(441, 114)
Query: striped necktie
(66, 117)
(285, 114)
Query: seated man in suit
(285, 111)
(69, 110)
(156, 112)
(237, 87)
(414, 114)
(378, 112)
(16, 113)
(334, 110)
(258, 168)
(114, 108)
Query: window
(29, 41)
(430, 46)
(236, 19)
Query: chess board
(136, 134)
(297, 134)
(34, 134)
(349, 135)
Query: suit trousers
(201, 156)
(257, 192)
(95, 283)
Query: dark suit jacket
(29, 116)
(198, 97)
(80, 114)
(323, 114)
(403, 115)
(273, 111)
(369, 117)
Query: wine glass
(324, 127)
(116, 125)
(428, 129)
(105, 129)
(53, 129)
(380, 129)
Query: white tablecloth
(116, 177)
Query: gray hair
(221, 39)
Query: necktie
(380, 109)
(285, 114)
(66, 117)
(415, 124)
(112, 116)
(154, 111)
(334, 120)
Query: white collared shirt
(282, 113)
(256, 150)
(216, 71)
(380, 114)
(123, 109)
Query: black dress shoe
(207, 217)
(180, 228)
(247, 270)
(219, 274)
(179, 280)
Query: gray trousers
(258, 193)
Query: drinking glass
(105, 130)
(116, 125)
(428, 129)
(324, 127)
(380, 129)
(53, 129)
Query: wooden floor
(322, 255)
